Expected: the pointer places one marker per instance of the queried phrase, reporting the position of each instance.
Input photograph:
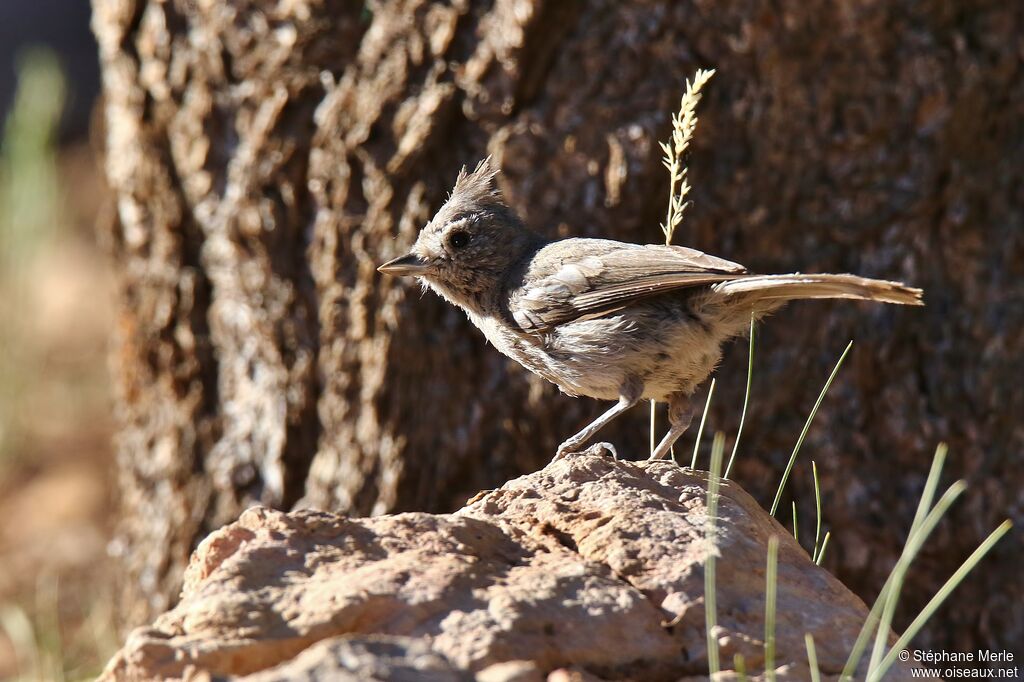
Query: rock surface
(590, 568)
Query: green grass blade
(771, 575)
(929, 610)
(796, 529)
(31, 201)
(700, 431)
(710, 601)
(931, 484)
(817, 511)
(746, 399)
(812, 658)
(903, 564)
(807, 427)
(684, 124)
(821, 552)
(654, 425)
(739, 664)
(910, 549)
(17, 628)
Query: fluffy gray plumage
(602, 318)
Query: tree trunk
(266, 156)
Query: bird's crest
(476, 188)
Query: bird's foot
(602, 450)
(569, 448)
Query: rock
(365, 659)
(588, 569)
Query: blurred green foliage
(30, 216)
(54, 633)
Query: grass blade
(899, 571)
(910, 549)
(812, 658)
(929, 610)
(771, 575)
(684, 124)
(817, 511)
(700, 431)
(746, 399)
(807, 426)
(17, 628)
(796, 530)
(654, 425)
(931, 484)
(821, 552)
(710, 602)
(739, 664)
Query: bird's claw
(602, 450)
(599, 449)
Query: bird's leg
(680, 414)
(575, 443)
(629, 395)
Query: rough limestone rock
(588, 569)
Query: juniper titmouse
(602, 318)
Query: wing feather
(592, 277)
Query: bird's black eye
(459, 239)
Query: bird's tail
(771, 290)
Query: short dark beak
(408, 265)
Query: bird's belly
(572, 358)
(669, 353)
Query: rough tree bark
(266, 155)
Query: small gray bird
(601, 318)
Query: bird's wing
(592, 278)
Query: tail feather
(787, 287)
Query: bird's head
(466, 250)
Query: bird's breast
(667, 350)
(541, 354)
